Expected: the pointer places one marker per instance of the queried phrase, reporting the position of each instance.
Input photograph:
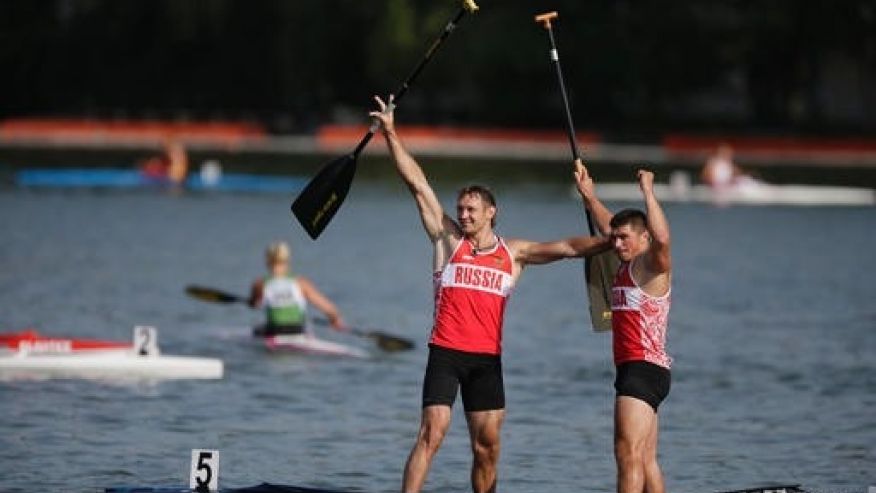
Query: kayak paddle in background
(599, 269)
(322, 197)
(214, 295)
(385, 341)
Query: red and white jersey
(470, 296)
(639, 321)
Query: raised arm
(435, 222)
(659, 258)
(584, 184)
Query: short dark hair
(633, 217)
(481, 191)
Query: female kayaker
(285, 297)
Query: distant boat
(210, 178)
(745, 192)
(30, 355)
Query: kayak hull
(309, 344)
(28, 354)
(110, 365)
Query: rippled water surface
(773, 331)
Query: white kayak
(746, 192)
(29, 354)
(307, 343)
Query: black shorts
(644, 381)
(478, 376)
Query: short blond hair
(277, 252)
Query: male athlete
(639, 318)
(474, 273)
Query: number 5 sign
(204, 475)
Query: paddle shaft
(403, 89)
(385, 341)
(211, 295)
(600, 265)
(320, 200)
(353, 330)
(545, 19)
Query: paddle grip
(570, 124)
(546, 18)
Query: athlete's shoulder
(514, 243)
(518, 248)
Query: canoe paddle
(598, 270)
(213, 295)
(322, 197)
(387, 342)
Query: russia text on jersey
(476, 277)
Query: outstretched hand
(385, 116)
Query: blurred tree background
(633, 68)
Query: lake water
(773, 331)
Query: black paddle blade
(599, 272)
(322, 197)
(389, 342)
(384, 341)
(212, 295)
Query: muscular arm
(659, 259)
(435, 222)
(531, 252)
(584, 183)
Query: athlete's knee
(431, 436)
(649, 461)
(484, 466)
(628, 451)
(485, 444)
(649, 454)
(485, 451)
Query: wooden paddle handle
(546, 18)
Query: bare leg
(633, 421)
(653, 474)
(433, 426)
(484, 430)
